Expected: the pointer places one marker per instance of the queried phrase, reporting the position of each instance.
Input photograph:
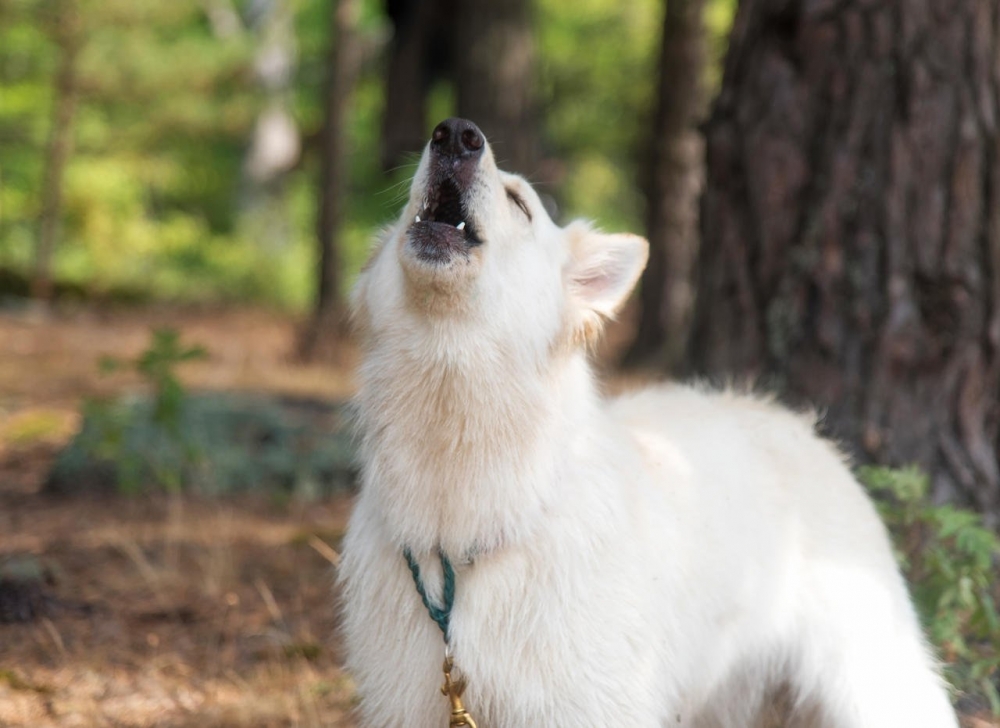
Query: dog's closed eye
(519, 201)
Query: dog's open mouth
(443, 227)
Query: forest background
(819, 181)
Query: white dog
(674, 557)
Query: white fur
(673, 557)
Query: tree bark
(495, 78)
(673, 180)
(65, 32)
(322, 334)
(851, 226)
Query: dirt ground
(174, 613)
(160, 611)
(177, 612)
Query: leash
(441, 615)
(452, 688)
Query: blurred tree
(61, 19)
(851, 226)
(598, 83)
(163, 110)
(420, 51)
(495, 74)
(27, 69)
(172, 114)
(673, 175)
(487, 49)
(275, 147)
(342, 71)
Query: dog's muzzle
(444, 227)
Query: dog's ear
(602, 271)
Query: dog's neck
(466, 452)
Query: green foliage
(951, 561)
(155, 194)
(598, 101)
(152, 191)
(598, 68)
(112, 420)
(157, 366)
(209, 443)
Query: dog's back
(805, 589)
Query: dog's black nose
(457, 138)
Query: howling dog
(673, 557)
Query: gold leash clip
(453, 689)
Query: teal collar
(440, 614)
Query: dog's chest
(563, 624)
(531, 638)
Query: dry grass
(50, 359)
(175, 612)
(166, 612)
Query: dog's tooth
(461, 225)
(418, 219)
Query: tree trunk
(322, 333)
(408, 77)
(66, 35)
(851, 226)
(275, 144)
(495, 77)
(673, 182)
